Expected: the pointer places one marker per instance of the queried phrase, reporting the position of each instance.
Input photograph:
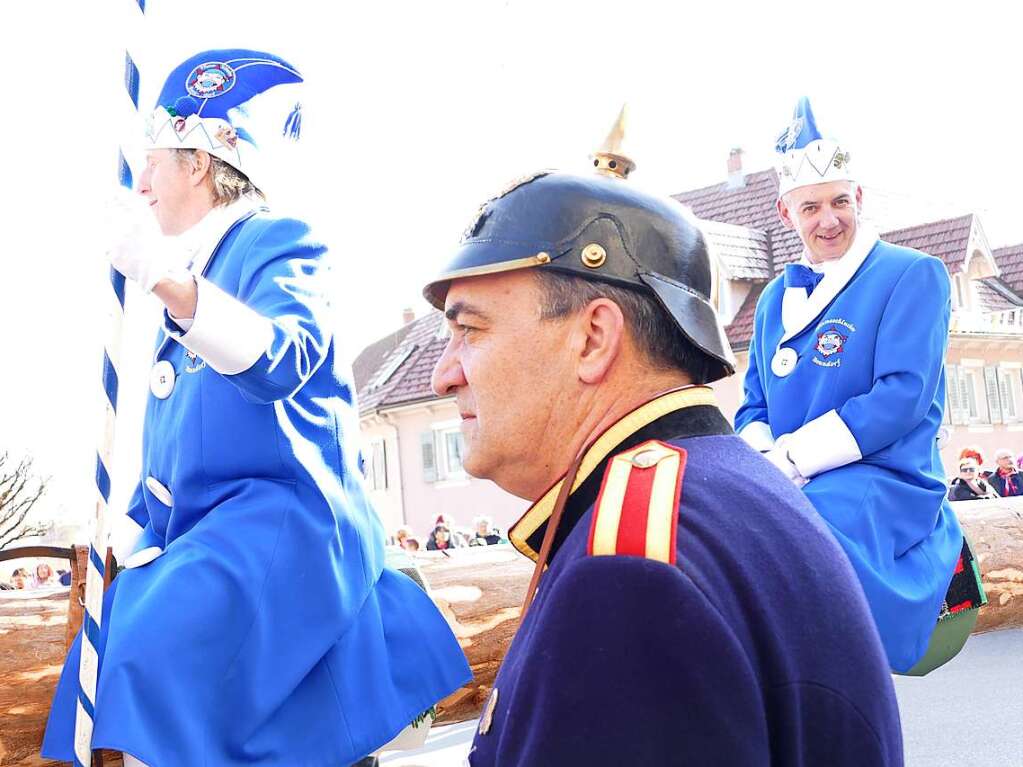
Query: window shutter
(380, 465)
(959, 414)
(1006, 393)
(994, 405)
(952, 394)
(969, 395)
(429, 456)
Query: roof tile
(1010, 261)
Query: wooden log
(480, 591)
(995, 528)
(32, 628)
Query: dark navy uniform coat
(755, 647)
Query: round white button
(784, 362)
(161, 379)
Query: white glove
(135, 246)
(779, 456)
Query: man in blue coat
(677, 621)
(845, 390)
(255, 623)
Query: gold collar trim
(643, 416)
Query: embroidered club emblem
(195, 364)
(830, 342)
(214, 78)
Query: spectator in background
(43, 576)
(974, 453)
(486, 534)
(968, 486)
(1006, 478)
(441, 539)
(401, 535)
(19, 579)
(411, 544)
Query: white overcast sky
(416, 111)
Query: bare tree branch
(19, 491)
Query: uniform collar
(202, 239)
(799, 310)
(687, 412)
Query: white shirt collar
(863, 242)
(799, 309)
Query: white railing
(1002, 323)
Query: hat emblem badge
(214, 78)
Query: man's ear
(601, 329)
(785, 214)
(859, 198)
(201, 163)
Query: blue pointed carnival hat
(227, 102)
(805, 156)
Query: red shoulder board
(636, 512)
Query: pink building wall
(409, 498)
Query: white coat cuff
(823, 444)
(758, 435)
(226, 333)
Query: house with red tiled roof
(413, 446)
(412, 443)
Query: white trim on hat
(819, 162)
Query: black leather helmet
(597, 228)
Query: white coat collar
(196, 245)
(798, 309)
(202, 239)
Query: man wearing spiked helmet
(845, 391)
(256, 622)
(666, 620)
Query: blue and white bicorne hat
(233, 103)
(805, 157)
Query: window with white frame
(376, 466)
(443, 448)
(984, 394)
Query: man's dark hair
(652, 328)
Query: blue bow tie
(799, 276)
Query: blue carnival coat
(754, 647)
(269, 632)
(861, 408)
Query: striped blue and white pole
(89, 668)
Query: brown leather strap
(552, 528)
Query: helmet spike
(610, 159)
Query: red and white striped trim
(636, 513)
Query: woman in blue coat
(256, 622)
(845, 391)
